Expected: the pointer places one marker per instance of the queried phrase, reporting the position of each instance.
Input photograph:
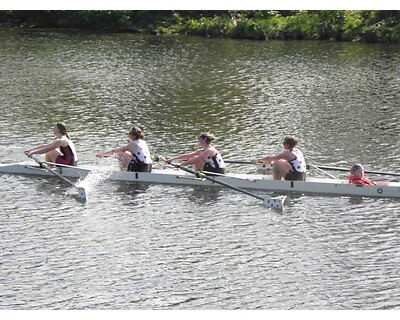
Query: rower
(206, 159)
(135, 156)
(61, 150)
(289, 164)
(357, 175)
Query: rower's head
(357, 170)
(289, 142)
(136, 133)
(60, 130)
(205, 138)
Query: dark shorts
(295, 176)
(63, 160)
(208, 168)
(139, 167)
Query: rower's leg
(199, 165)
(52, 155)
(124, 159)
(280, 169)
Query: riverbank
(332, 25)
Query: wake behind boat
(244, 181)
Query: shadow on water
(132, 189)
(203, 195)
(356, 200)
(160, 196)
(196, 194)
(50, 185)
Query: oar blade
(81, 196)
(275, 202)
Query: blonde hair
(62, 127)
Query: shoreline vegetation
(326, 25)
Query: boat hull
(245, 181)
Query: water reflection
(131, 193)
(202, 196)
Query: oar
(239, 162)
(322, 171)
(81, 191)
(366, 171)
(272, 202)
(226, 161)
(230, 161)
(260, 165)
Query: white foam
(93, 179)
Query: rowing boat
(244, 181)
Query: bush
(302, 26)
(350, 25)
(215, 26)
(248, 29)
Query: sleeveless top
(299, 163)
(216, 161)
(69, 152)
(141, 153)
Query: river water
(168, 247)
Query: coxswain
(357, 175)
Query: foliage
(338, 25)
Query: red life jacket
(356, 180)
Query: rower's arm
(281, 156)
(44, 148)
(112, 153)
(185, 157)
(200, 156)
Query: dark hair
(291, 141)
(208, 137)
(63, 129)
(137, 132)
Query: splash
(92, 180)
(12, 147)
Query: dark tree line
(339, 25)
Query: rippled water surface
(134, 246)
